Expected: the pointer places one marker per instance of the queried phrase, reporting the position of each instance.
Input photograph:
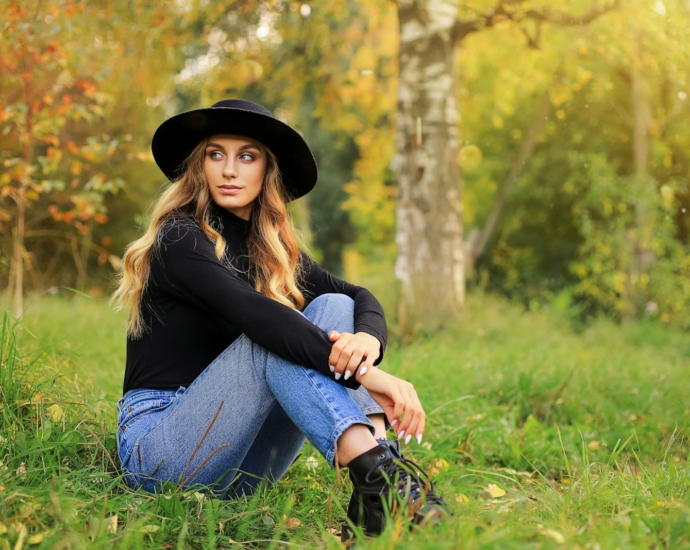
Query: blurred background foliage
(576, 136)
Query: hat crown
(242, 104)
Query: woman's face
(235, 168)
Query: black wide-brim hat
(177, 137)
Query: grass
(538, 437)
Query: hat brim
(176, 138)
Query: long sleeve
(194, 306)
(369, 316)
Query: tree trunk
(642, 254)
(20, 199)
(430, 262)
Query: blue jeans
(243, 420)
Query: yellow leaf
(36, 539)
(462, 499)
(594, 445)
(21, 471)
(553, 535)
(495, 491)
(151, 529)
(292, 523)
(37, 398)
(112, 525)
(54, 412)
(3, 528)
(437, 466)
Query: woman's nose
(230, 169)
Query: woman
(239, 345)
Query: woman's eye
(246, 156)
(215, 154)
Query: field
(539, 436)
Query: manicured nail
(362, 371)
(394, 423)
(401, 434)
(337, 376)
(419, 439)
(407, 439)
(332, 367)
(347, 374)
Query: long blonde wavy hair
(273, 249)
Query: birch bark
(430, 264)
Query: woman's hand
(399, 401)
(350, 351)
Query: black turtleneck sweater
(194, 306)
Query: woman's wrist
(366, 373)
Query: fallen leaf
(437, 466)
(55, 412)
(495, 491)
(36, 539)
(151, 529)
(3, 528)
(462, 499)
(21, 471)
(36, 398)
(594, 445)
(553, 535)
(112, 525)
(292, 523)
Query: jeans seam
(372, 410)
(330, 457)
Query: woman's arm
(369, 340)
(185, 266)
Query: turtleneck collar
(229, 222)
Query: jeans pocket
(134, 411)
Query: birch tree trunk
(430, 262)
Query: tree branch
(477, 242)
(507, 10)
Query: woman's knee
(334, 302)
(332, 312)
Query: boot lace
(413, 482)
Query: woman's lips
(229, 189)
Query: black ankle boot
(384, 479)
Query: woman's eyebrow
(242, 148)
(216, 145)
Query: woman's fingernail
(332, 367)
(347, 374)
(407, 439)
(401, 434)
(393, 423)
(362, 371)
(419, 439)
(337, 376)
